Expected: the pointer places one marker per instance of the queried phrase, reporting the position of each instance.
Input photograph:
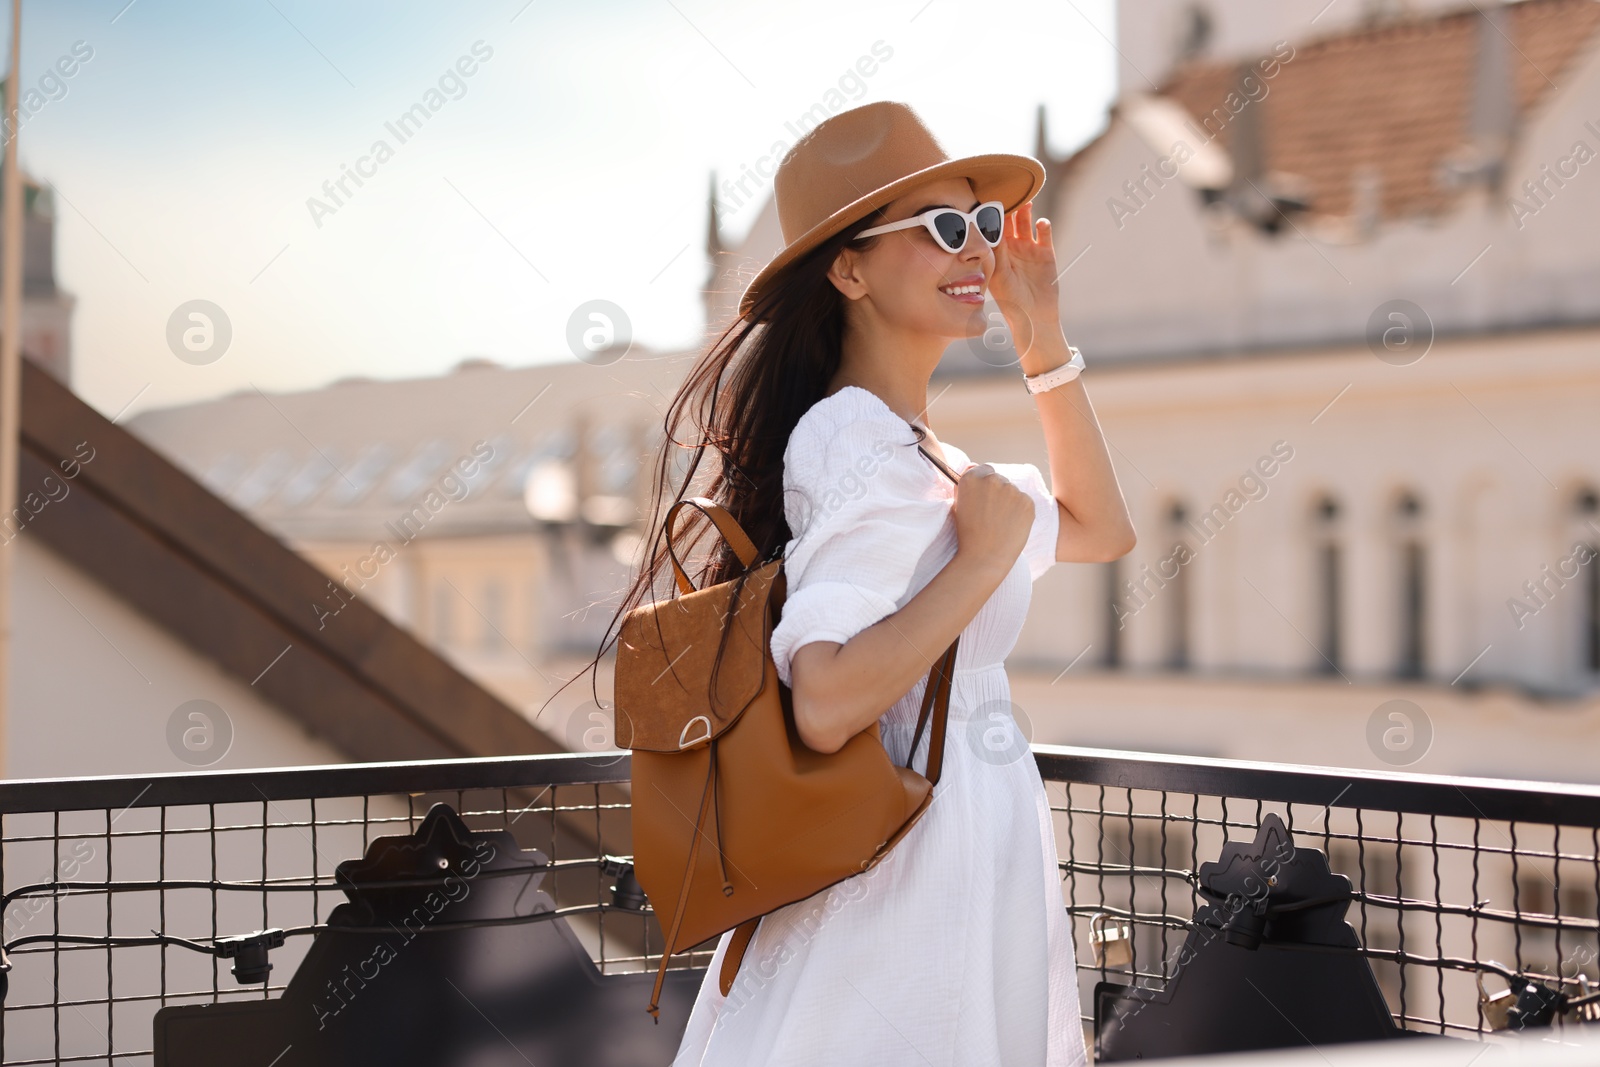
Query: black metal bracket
(249, 953)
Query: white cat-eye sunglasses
(949, 226)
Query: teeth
(959, 289)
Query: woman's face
(906, 278)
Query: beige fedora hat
(853, 163)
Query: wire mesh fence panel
(123, 896)
(121, 899)
(1466, 897)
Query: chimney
(1491, 118)
(714, 249)
(1250, 192)
(1367, 199)
(1262, 196)
(1493, 109)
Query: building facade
(1335, 280)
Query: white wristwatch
(1049, 379)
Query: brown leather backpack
(717, 760)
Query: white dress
(955, 949)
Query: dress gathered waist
(959, 671)
(963, 678)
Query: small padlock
(1495, 1006)
(1589, 1012)
(1113, 944)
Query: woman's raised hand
(1025, 283)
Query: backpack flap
(667, 697)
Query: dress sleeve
(863, 506)
(1040, 550)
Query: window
(1329, 566)
(412, 477)
(1175, 569)
(1113, 615)
(263, 480)
(309, 480)
(222, 474)
(494, 616)
(1412, 564)
(357, 480)
(1591, 611)
(1329, 585)
(1588, 508)
(617, 455)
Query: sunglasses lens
(990, 220)
(952, 229)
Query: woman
(956, 948)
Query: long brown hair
(745, 393)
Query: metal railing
(121, 894)
(1460, 888)
(124, 895)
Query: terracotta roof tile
(1395, 97)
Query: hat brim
(1011, 179)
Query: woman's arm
(841, 689)
(1095, 527)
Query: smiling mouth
(967, 294)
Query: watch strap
(1039, 383)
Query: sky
(195, 153)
